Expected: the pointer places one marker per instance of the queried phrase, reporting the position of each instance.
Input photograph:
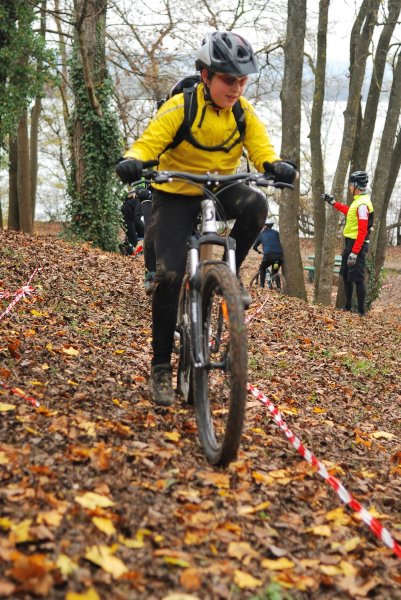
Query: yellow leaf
(34, 382)
(3, 458)
(70, 351)
(20, 532)
(348, 546)
(119, 351)
(367, 474)
(173, 436)
(241, 550)
(317, 409)
(71, 382)
(90, 594)
(220, 480)
(104, 525)
(89, 427)
(278, 474)
(50, 517)
(49, 346)
(177, 562)
(338, 516)
(347, 568)
(248, 510)
(262, 477)
(245, 581)
(92, 500)
(323, 530)
(5, 523)
(44, 367)
(281, 564)
(66, 565)
(4, 407)
(36, 313)
(129, 543)
(383, 434)
(103, 557)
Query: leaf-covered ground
(103, 496)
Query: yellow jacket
(215, 127)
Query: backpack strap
(190, 109)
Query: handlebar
(209, 179)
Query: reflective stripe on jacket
(351, 223)
(211, 127)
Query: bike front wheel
(220, 383)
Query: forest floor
(103, 496)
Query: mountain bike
(275, 282)
(213, 357)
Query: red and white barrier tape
(24, 291)
(376, 527)
(21, 394)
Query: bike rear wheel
(279, 283)
(220, 385)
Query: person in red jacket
(358, 223)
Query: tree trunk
(35, 114)
(315, 137)
(361, 153)
(388, 157)
(290, 147)
(13, 211)
(24, 177)
(361, 36)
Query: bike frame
(208, 238)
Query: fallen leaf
(190, 579)
(66, 565)
(104, 525)
(103, 557)
(92, 500)
(4, 407)
(173, 436)
(281, 564)
(246, 581)
(383, 435)
(90, 594)
(70, 351)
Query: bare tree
(361, 37)
(315, 135)
(290, 146)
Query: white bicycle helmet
(226, 52)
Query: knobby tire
(220, 394)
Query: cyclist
(272, 250)
(131, 211)
(225, 59)
(358, 224)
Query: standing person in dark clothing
(358, 224)
(272, 250)
(131, 211)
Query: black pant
(270, 258)
(355, 274)
(132, 213)
(173, 221)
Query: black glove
(284, 171)
(328, 199)
(129, 169)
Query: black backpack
(188, 86)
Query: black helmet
(359, 179)
(226, 52)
